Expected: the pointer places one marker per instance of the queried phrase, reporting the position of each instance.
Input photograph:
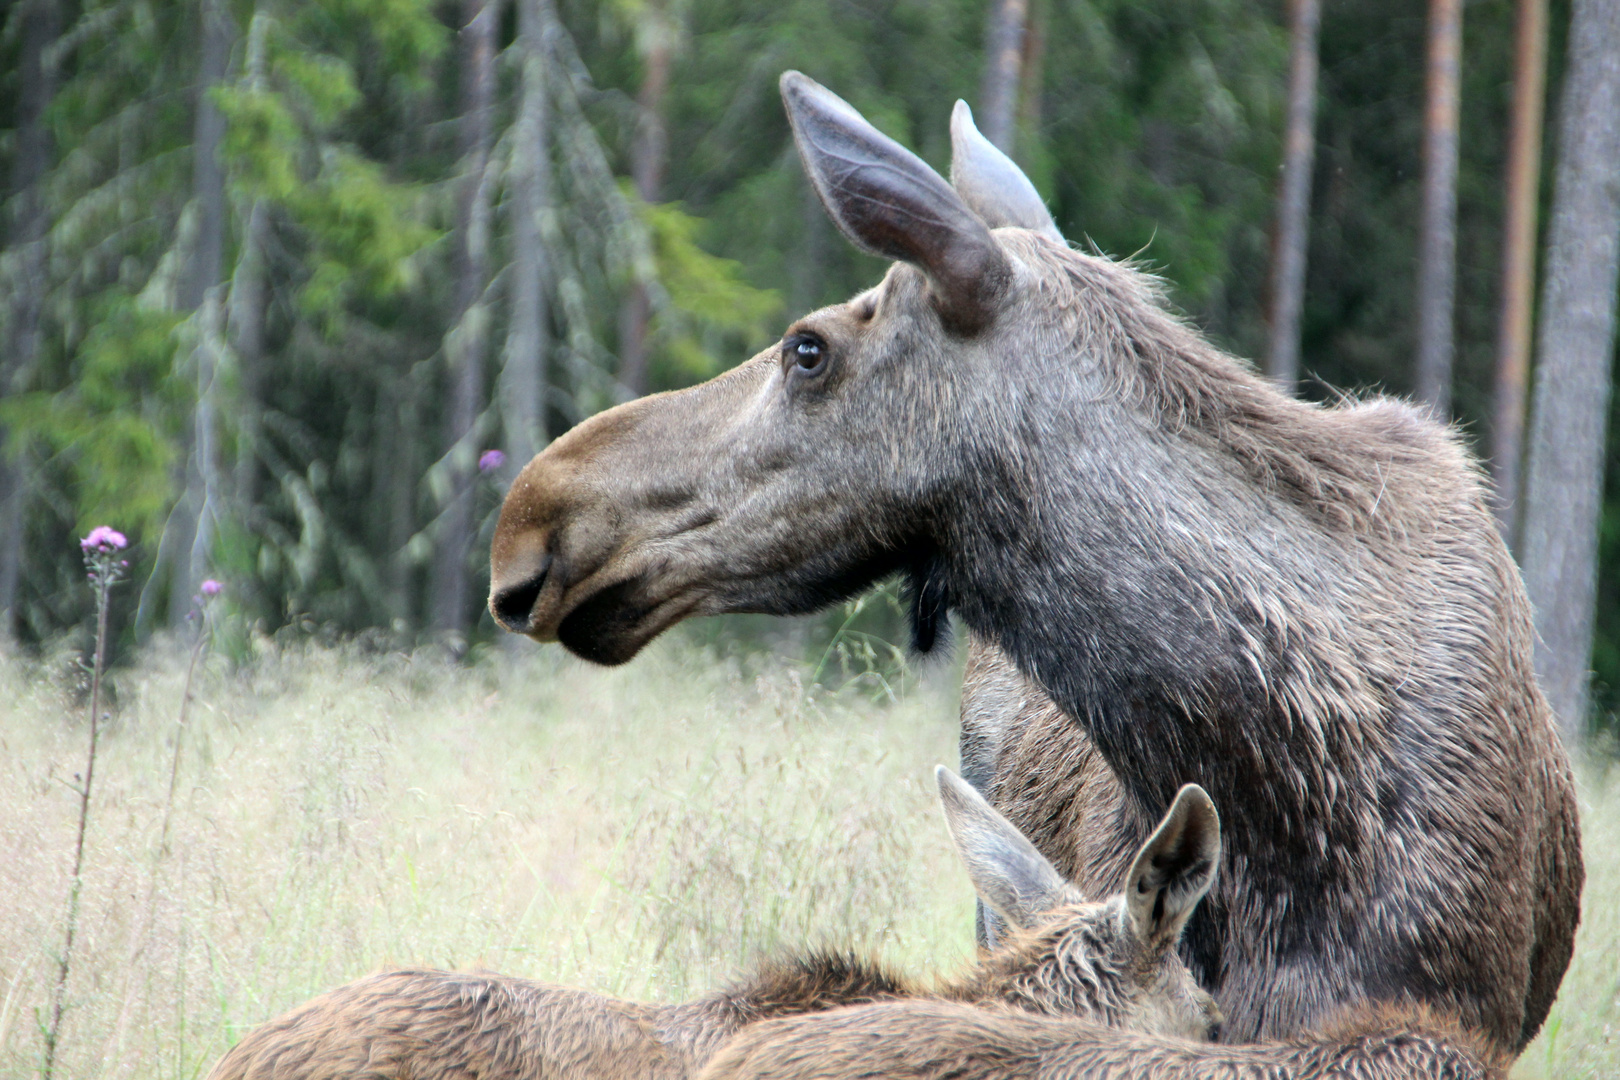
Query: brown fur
(938, 1041)
(1046, 775)
(1304, 609)
(1042, 772)
(1107, 961)
(440, 1025)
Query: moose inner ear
(1007, 872)
(889, 202)
(1174, 869)
(990, 183)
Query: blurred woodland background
(290, 289)
(279, 275)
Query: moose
(1303, 608)
(1112, 961)
(936, 1040)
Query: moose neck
(1198, 624)
(1179, 674)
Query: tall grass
(1582, 1035)
(643, 831)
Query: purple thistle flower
(491, 460)
(210, 587)
(103, 538)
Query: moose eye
(807, 354)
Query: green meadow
(643, 831)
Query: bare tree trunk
(1518, 256)
(247, 313)
(204, 487)
(635, 315)
(1003, 54)
(192, 520)
(208, 175)
(1294, 198)
(247, 310)
(1437, 261)
(1563, 492)
(523, 372)
(1032, 74)
(25, 234)
(398, 470)
(464, 345)
(647, 157)
(651, 147)
(809, 265)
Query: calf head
(1113, 960)
(825, 462)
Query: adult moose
(1304, 609)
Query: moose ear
(889, 202)
(1007, 872)
(988, 181)
(1174, 870)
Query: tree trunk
(25, 234)
(247, 313)
(1563, 492)
(1294, 198)
(204, 488)
(1437, 260)
(1518, 257)
(647, 156)
(1032, 74)
(1003, 53)
(464, 345)
(398, 475)
(247, 310)
(208, 175)
(809, 264)
(192, 520)
(523, 372)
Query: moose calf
(934, 1040)
(1114, 962)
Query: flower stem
(180, 734)
(103, 586)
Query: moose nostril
(513, 606)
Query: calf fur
(1113, 961)
(933, 1040)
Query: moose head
(838, 456)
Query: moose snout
(512, 603)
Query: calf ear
(1174, 870)
(1008, 873)
(988, 181)
(889, 202)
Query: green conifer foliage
(1151, 126)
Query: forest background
(294, 286)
